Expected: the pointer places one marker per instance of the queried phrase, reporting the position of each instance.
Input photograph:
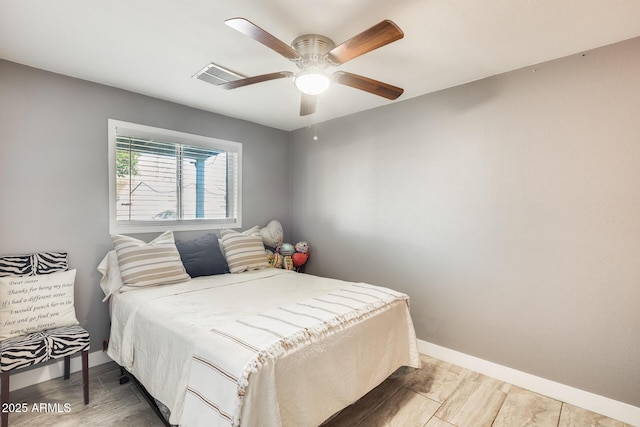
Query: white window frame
(120, 128)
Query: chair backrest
(32, 264)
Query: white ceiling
(154, 47)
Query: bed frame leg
(124, 378)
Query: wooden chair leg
(67, 367)
(4, 399)
(85, 375)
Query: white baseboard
(583, 399)
(54, 370)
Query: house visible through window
(162, 179)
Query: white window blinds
(164, 179)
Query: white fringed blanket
(265, 348)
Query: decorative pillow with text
(35, 303)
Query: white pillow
(272, 234)
(149, 264)
(34, 303)
(110, 281)
(243, 251)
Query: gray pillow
(202, 256)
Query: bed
(263, 347)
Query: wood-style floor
(438, 395)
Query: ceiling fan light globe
(312, 83)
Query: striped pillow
(243, 251)
(148, 264)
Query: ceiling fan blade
(233, 84)
(250, 29)
(377, 36)
(308, 104)
(368, 85)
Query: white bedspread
(169, 337)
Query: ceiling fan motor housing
(313, 49)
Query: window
(162, 179)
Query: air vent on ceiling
(216, 74)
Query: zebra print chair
(27, 350)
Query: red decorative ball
(299, 259)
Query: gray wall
(54, 177)
(508, 209)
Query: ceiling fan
(313, 54)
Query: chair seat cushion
(22, 351)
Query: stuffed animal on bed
(301, 255)
(272, 235)
(274, 258)
(286, 250)
(302, 247)
(283, 255)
